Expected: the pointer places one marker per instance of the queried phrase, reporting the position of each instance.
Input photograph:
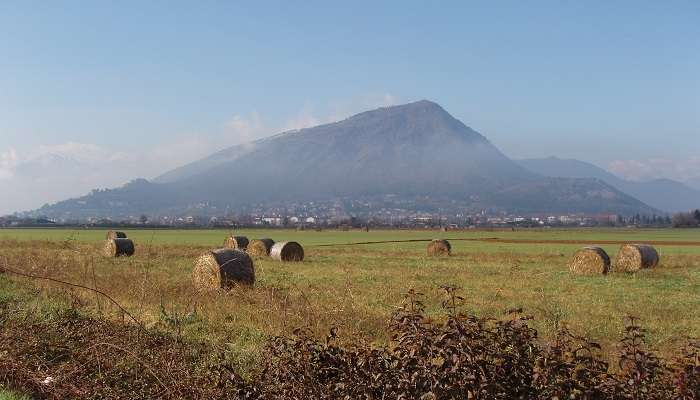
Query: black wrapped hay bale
(236, 242)
(115, 235)
(287, 251)
(223, 269)
(260, 247)
(439, 247)
(590, 260)
(118, 247)
(633, 257)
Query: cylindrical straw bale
(633, 257)
(236, 242)
(223, 269)
(260, 247)
(439, 247)
(590, 261)
(118, 247)
(115, 235)
(287, 251)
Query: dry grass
(356, 288)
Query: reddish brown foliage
(463, 357)
(470, 358)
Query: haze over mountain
(415, 152)
(694, 183)
(665, 194)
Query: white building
(275, 221)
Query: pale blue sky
(161, 83)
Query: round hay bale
(260, 247)
(590, 261)
(633, 257)
(223, 269)
(115, 235)
(118, 247)
(287, 251)
(439, 247)
(236, 242)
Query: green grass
(311, 237)
(356, 288)
(10, 395)
(214, 237)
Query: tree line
(686, 219)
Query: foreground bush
(67, 356)
(467, 357)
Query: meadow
(356, 287)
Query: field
(351, 288)
(356, 287)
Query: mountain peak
(424, 104)
(420, 106)
(418, 121)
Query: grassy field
(355, 288)
(8, 395)
(213, 237)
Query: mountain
(664, 194)
(416, 154)
(568, 168)
(413, 149)
(694, 183)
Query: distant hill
(415, 151)
(665, 194)
(694, 183)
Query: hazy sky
(93, 94)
